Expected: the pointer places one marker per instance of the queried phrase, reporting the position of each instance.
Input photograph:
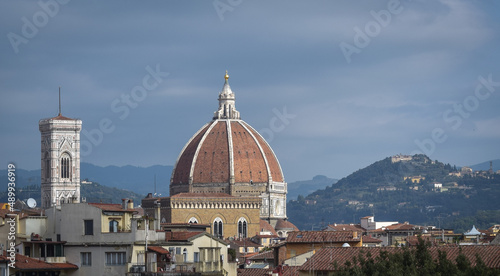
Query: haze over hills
(137, 179)
(306, 187)
(132, 178)
(486, 166)
(401, 191)
(109, 184)
(379, 189)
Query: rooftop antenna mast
(59, 101)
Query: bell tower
(60, 160)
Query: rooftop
(325, 258)
(111, 207)
(320, 236)
(25, 263)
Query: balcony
(51, 259)
(177, 269)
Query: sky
(332, 85)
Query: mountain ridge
(403, 191)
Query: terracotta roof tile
(272, 161)
(159, 249)
(61, 117)
(291, 270)
(370, 239)
(25, 263)
(325, 258)
(249, 162)
(180, 174)
(320, 236)
(181, 236)
(212, 162)
(267, 236)
(110, 207)
(254, 272)
(199, 195)
(206, 157)
(265, 226)
(345, 227)
(249, 255)
(400, 226)
(285, 224)
(267, 255)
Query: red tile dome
(226, 155)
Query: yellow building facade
(228, 216)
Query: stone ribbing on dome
(180, 174)
(226, 152)
(273, 163)
(249, 162)
(211, 163)
(229, 156)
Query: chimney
(130, 204)
(124, 203)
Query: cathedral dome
(226, 151)
(228, 156)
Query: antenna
(155, 183)
(59, 101)
(31, 202)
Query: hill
(402, 191)
(91, 192)
(306, 187)
(137, 179)
(486, 166)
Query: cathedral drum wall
(210, 188)
(230, 212)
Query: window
(242, 228)
(218, 229)
(65, 166)
(113, 226)
(193, 220)
(196, 257)
(88, 226)
(185, 255)
(115, 258)
(47, 165)
(86, 258)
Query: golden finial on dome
(226, 76)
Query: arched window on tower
(193, 220)
(65, 166)
(242, 228)
(218, 228)
(47, 165)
